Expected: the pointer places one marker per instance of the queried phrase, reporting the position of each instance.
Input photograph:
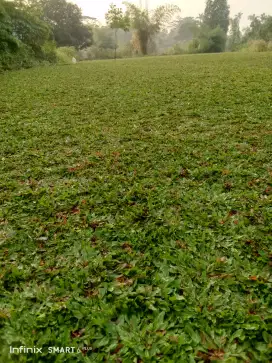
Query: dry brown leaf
(77, 333)
(75, 210)
(123, 281)
(184, 173)
(127, 246)
(221, 259)
(181, 244)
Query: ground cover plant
(135, 210)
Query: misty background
(98, 8)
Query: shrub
(125, 52)
(212, 41)
(24, 57)
(193, 46)
(65, 55)
(94, 52)
(258, 46)
(49, 52)
(83, 54)
(176, 49)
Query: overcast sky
(98, 8)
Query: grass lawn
(135, 210)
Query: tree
(29, 28)
(211, 40)
(235, 34)
(66, 21)
(24, 37)
(116, 20)
(7, 40)
(260, 28)
(147, 24)
(103, 38)
(186, 29)
(214, 27)
(266, 29)
(216, 14)
(22, 26)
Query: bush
(94, 52)
(212, 41)
(176, 49)
(83, 54)
(24, 57)
(65, 54)
(126, 51)
(193, 46)
(258, 46)
(208, 41)
(49, 52)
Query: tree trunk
(115, 49)
(143, 40)
(140, 42)
(144, 47)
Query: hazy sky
(98, 8)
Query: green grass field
(136, 212)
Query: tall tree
(8, 41)
(186, 29)
(235, 34)
(260, 28)
(147, 24)
(23, 25)
(211, 40)
(28, 28)
(104, 37)
(66, 21)
(216, 14)
(116, 20)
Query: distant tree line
(163, 31)
(215, 31)
(35, 31)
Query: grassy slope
(135, 204)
